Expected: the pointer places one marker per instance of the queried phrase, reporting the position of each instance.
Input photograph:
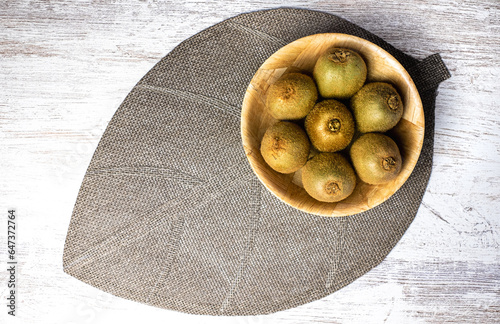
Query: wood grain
(301, 56)
(66, 65)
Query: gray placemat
(170, 213)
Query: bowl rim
(249, 151)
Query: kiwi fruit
(292, 96)
(285, 147)
(330, 126)
(376, 158)
(339, 73)
(377, 107)
(328, 177)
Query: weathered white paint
(66, 65)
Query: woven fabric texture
(170, 213)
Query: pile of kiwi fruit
(333, 126)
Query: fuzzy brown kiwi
(328, 177)
(291, 97)
(376, 158)
(339, 73)
(330, 126)
(285, 147)
(377, 107)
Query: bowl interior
(300, 56)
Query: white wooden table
(65, 66)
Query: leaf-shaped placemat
(170, 213)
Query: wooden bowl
(300, 56)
